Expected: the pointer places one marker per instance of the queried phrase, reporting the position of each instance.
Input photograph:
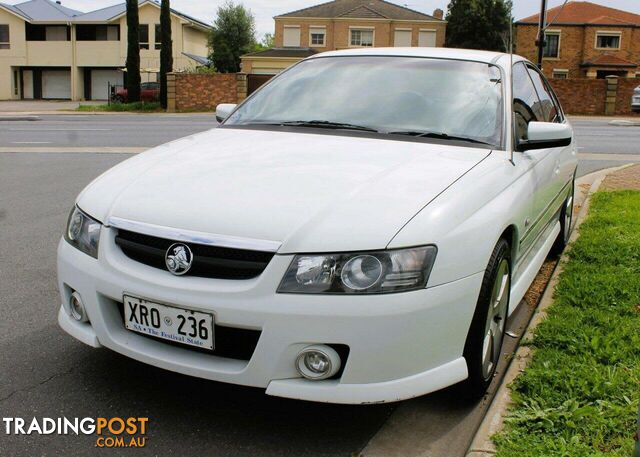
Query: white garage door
(100, 80)
(402, 38)
(427, 38)
(56, 84)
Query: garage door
(56, 84)
(254, 82)
(100, 80)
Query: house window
(608, 40)
(551, 45)
(98, 32)
(362, 37)
(16, 83)
(402, 38)
(291, 37)
(143, 35)
(560, 74)
(427, 39)
(158, 34)
(317, 36)
(4, 36)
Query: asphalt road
(124, 130)
(57, 132)
(45, 373)
(599, 137)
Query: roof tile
(347, 8)
(609, 60)
(579, 12)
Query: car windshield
(431, 98)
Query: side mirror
(224, 110)
(543, 135)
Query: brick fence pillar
(241, 79)
(171, 92)
(612, 95)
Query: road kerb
(482, 444)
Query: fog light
(77, 308)
(318, 362)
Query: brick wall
(203, 92)
(581, 96)
(589, 96)
(625, 92)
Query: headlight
(360, 273)
(83, 232)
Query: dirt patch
(533, 295)
(627, 178)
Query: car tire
(118, 99)
(483, 347)
(566, 220)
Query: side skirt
(541, 249)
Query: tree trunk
(133, 52)
(166, 50)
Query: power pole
(540, 40)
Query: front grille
(208, 261)
(229, 342)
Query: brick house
(342, 24)
(584, 40)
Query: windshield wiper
(439, 135)
(322, 124)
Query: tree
(478, 24)
(268, 42)
(233, 34)
(133, 51)
(166, 49)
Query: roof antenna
(513, 138)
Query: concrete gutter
(482, 445)
(625, 123)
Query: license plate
(179, 325)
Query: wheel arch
(510, 234)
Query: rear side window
(550, 109)
(526, 104)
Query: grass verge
(579, 394)
(138, 107)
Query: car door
(526, 109)
(562, 158)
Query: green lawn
(140, 107)
(579, 395)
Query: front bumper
(400, 345)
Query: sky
(265, 10)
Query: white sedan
(359, 230)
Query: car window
(387, 94)
(526, 104)
(550, 111)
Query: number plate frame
(168, 322)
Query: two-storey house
(584, 40)
(48, 51)
(342, 24)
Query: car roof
(439, 53)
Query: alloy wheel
(496, 319)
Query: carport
(263, 65)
